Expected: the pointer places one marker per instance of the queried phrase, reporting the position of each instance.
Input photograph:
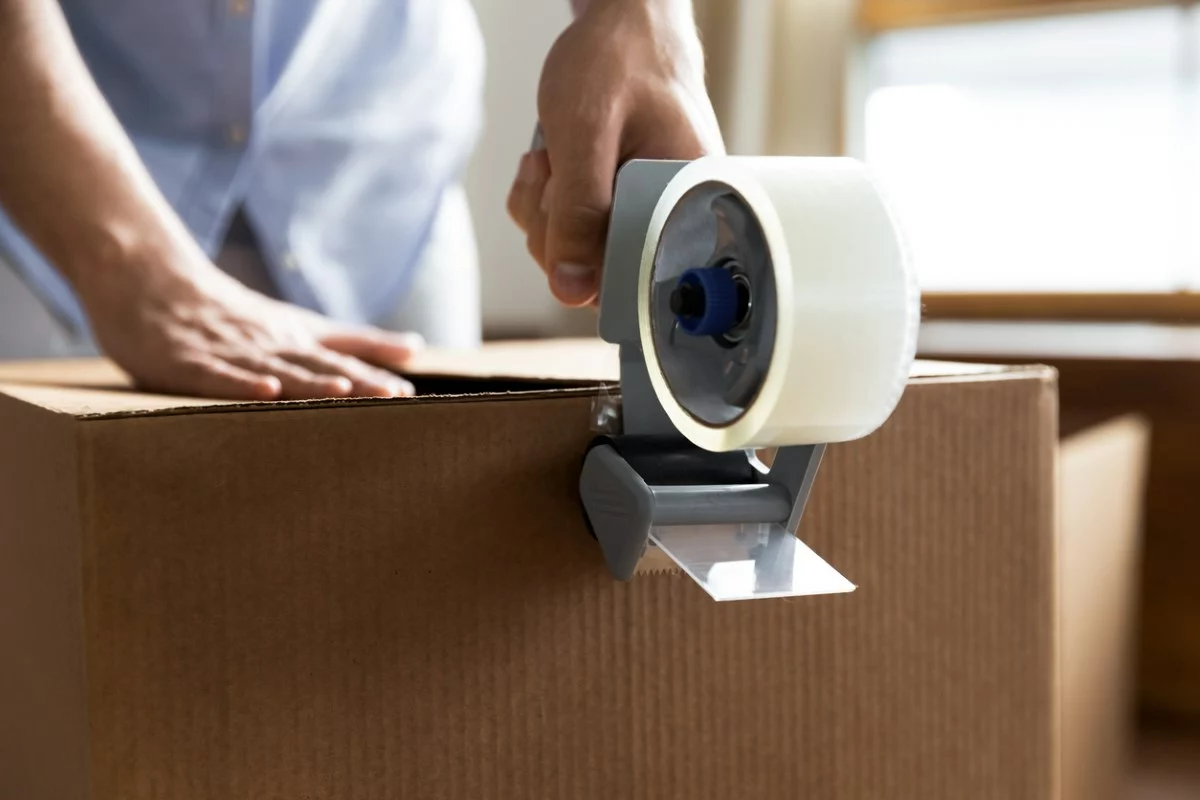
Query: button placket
(235, 102)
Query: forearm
(69, 176)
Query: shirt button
(239, 8)
(289, 262)
(236, 133)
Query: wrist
(666, 27)
(678, 8)
(117, 253)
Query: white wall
(516, 300)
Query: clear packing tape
(844, 329)
(846, 302)
(606, 410)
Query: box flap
(97, 388)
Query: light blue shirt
(335, 125)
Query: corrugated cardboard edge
(48, 398)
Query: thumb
(579, 195)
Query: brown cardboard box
(1108, 369)
(385, 599)
(1102, 470)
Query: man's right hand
(624, 81)
(197, 331)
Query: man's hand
(197, 331)
(624, 81)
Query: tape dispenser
(758, 304)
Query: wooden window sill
(1177, 307)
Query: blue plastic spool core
(705, 301)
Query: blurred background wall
(516, 301)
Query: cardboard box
(1109, 369)
(1102, 476)
(383, 599)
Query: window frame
(879, 16)
(876, 17)
(1165, 307)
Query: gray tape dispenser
(758, 303)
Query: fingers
(374, 346)
(208, 376)
(561, 199)
(367, 381)
(296, 382)
(527, 202)
(579, 198)
(288, 375)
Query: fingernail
(413, 341)
(342, 386)
(400, 388)
(573, 283)
(405, 340)
(271, 387)
(525, 170)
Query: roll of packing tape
(777, 305)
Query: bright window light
(1055, 154)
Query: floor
(1167, 766)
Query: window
(1043, 155)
